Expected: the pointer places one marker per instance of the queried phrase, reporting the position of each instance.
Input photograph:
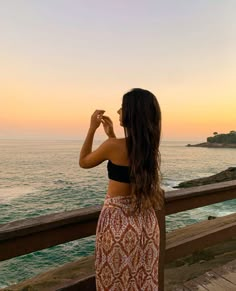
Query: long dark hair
(141, 118)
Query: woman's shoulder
(118, 149)
(116, 143)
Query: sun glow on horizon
(58, 66)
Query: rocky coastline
(212, 145)
(226, 175)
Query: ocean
(43, 177)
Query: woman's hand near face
(96, 119)
(108, 126)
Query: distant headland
(219, 140)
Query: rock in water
(210, 217)
(227, 175)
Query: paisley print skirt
(127, 247)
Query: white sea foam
(7, 194)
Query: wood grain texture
(198, 236)
(215, 280)
(193, 285)
(228, 272)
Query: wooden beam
(29, 235)
(190, 198)
(40, 240)
(47, 222)
(196, 237)
(85, 284)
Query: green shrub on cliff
(226, 138)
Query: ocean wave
(47, 185)
(7, 194)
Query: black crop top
(118, 173)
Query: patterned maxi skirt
(127, 247)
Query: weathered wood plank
(228, 271)
(198, 236)
(193, 285)
(230, 277)
(47, 222)
(205, 190)
(205, 282)
(220, 281)
(87, 284)
(186, 199)
(37, 241)
(181, 288)
(201, 227)
(214, 282)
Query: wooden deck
(28, 235)
(219, 279)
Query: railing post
(161, 220)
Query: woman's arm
(87, 146)
(89, 159)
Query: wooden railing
(29, 235)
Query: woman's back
(119, 160)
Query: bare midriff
(118, 188)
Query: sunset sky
(62, 59)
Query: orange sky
(57, 67)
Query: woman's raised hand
(96, 119)
(108, 126)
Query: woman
(127, 237)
